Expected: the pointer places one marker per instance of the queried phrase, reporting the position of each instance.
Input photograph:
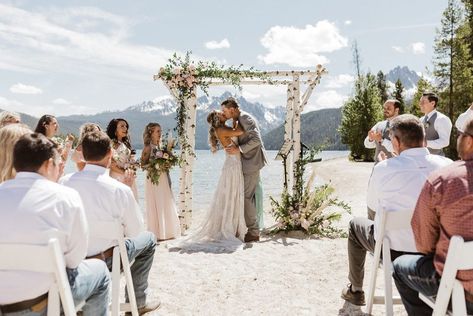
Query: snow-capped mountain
(409, 78)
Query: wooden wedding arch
(296, 102)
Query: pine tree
(382, 86)
(356, 59)
(422, 86)
(359, 114)
(398, 94)
(452, 66)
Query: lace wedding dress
(223, 228)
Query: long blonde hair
(148, 131)
(7, 117)
(9, 135)
(214, 122)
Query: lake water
(207, 169)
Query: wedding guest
(9, 135)
(123, 161)
(49, 127)
(437, 125)
(32, 206)
(106, 199)
(77, 155)
(444, 209)
(464, 118)
(161, 210)
(7, 117)
(396, 184)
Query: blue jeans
(90, 282)
(140, 248)
(414, 274)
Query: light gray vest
(431, 133)
(380, 147)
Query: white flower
(165, 156)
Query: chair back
(44, 259)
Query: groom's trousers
(250, 181)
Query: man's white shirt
(32, 210)
(105, 199)
(379, 127)
(443, 126)
(395, 185)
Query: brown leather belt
(35, 304)
(104, 255)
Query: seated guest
(396, 184)
(32, 205)
(444, 209)
(106, 199)
(464, 118)
(77, 155)
(9, 135)
(7, 118)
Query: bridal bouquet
(161, 159)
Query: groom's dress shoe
(251, 238)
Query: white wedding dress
(223, 228)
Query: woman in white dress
(223, 228)
(161, 211)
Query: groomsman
(437, 125)
(378, 136)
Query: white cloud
(326, 99)
(218, 45)
(25, 89)
(418, 48)
(339, 81)
(61, 101)
(398, 49)
(301, 47)
(347, 22)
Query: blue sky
(65, 57)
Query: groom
(253, 158)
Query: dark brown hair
(43, 121)
(112, 129)
(432, 97)
(230, 103)
(95, 146)
(408, 130)
(31, 151)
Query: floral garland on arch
(184, 75)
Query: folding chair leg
(53, 301)
(128, 279)
(388, 287)
(374, 272)
(116, 282)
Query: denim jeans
(414, 274)
(140, 248)
(90, 282)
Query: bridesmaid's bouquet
(161, 160)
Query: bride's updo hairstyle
(148, 131)
(214, 122)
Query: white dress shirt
(395, 185)
(463, 118)
(379, 127)
(443, 126)
(105, 199)
(32, 210)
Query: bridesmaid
(122, 154)
(161, 210)
(77, 155)
(48, 126)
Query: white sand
(280, 275)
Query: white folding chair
(44, 259)
(114, 230)
(459, 257)
(390, 221)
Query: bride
(223, 227)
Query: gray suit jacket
(253, 155)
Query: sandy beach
(280, 275)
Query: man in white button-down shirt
(437, 125)
(106, 199)
(395, 184)
(32, 205)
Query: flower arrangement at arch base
(308, 209)
(161, 160)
